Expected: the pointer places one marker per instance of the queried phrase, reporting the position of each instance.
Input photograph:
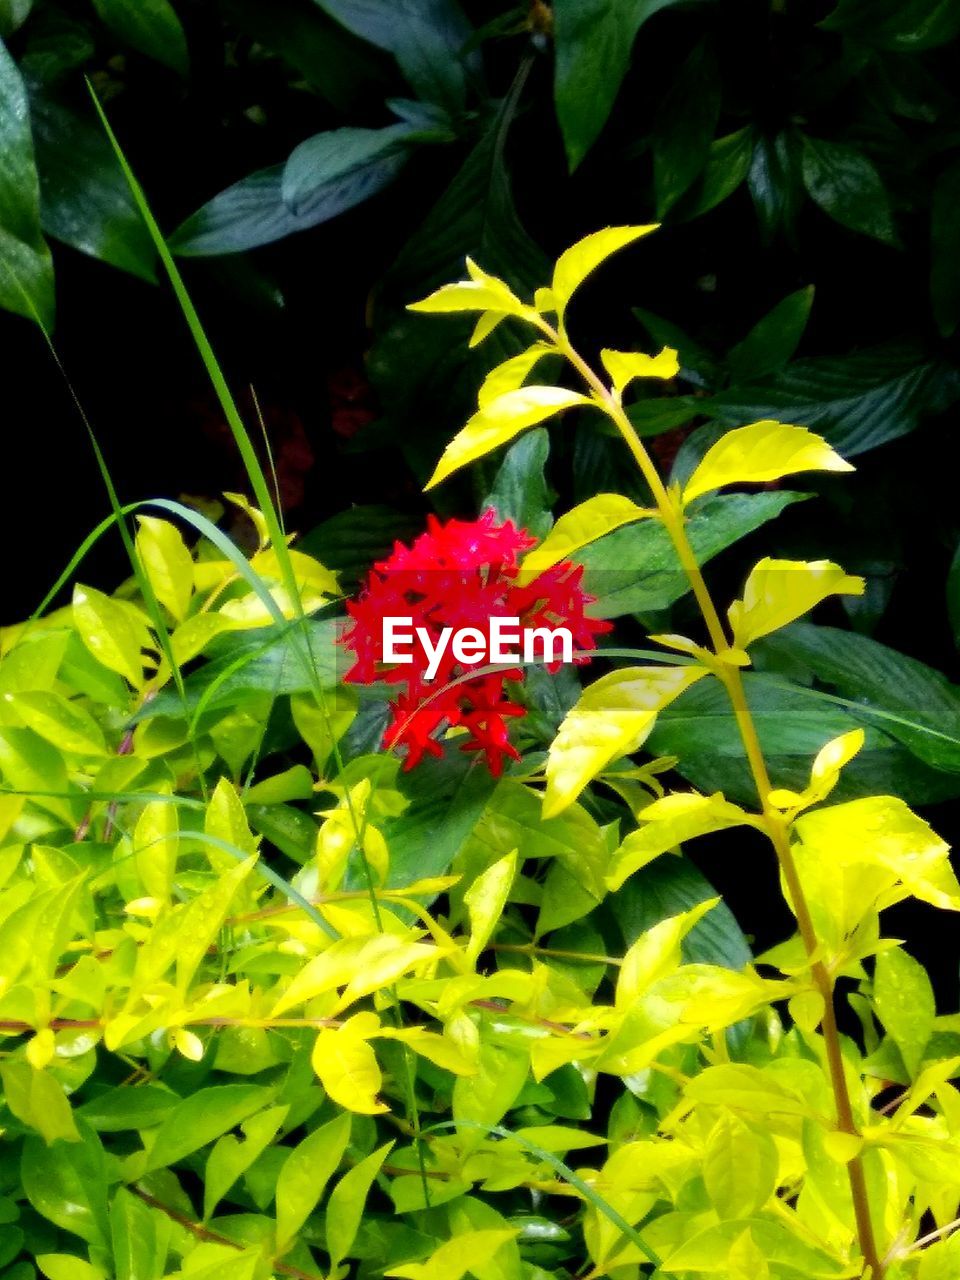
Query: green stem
(673, 521)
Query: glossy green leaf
(728, 163)
(774, 339)
(520, 491)
(84, 200)
(593, 43)
(855, 402)
(845, 184)
(429, 39)
(684, 127)
(26, 271)
(331, 172)
(635, 569)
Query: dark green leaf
(728, 163)
(857, 402)
(635, 569)
(793, 724)
(926, 705)
(350, 541)
(684, 127)
(244, 216)
(845, 184)
(520, 491)
(447, 797)
(775, 183)
(773, 340)
(945, 248)
(664, 413)
(697, 364)
(672, 885)
(255, 662)
(331, 172)
(26, 272)
(593, 40)
(343, 69)
(427, 38)
(85, 200)
(150, 26)
(13, 14)
(902, 26)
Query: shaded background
(804, 160)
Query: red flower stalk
(458, 575)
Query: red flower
(457, 575)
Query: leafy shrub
(465, 1024)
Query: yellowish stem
(673, 520)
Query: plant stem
(673, 520)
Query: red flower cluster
(459, 574)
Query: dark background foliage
(803, 157)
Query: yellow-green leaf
(485, 901)
(624, 366)
(577, 262)
(67, 1266)
(347, 1067)
(499, 421)
(439, 1050)
(611, 719)
(482, 292)
(167, 562)
(155, 845)
(305, 1174)
(193, 635)
(345, 1206)
(110, 632)
(760, 452)
(656, 953)
(665, 824)
(457, 1256)
(37, 1099)
(59, 721)
(586, 523)
(511, 374)
(740, 1167)
(780, 591)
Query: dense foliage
(313, 966)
